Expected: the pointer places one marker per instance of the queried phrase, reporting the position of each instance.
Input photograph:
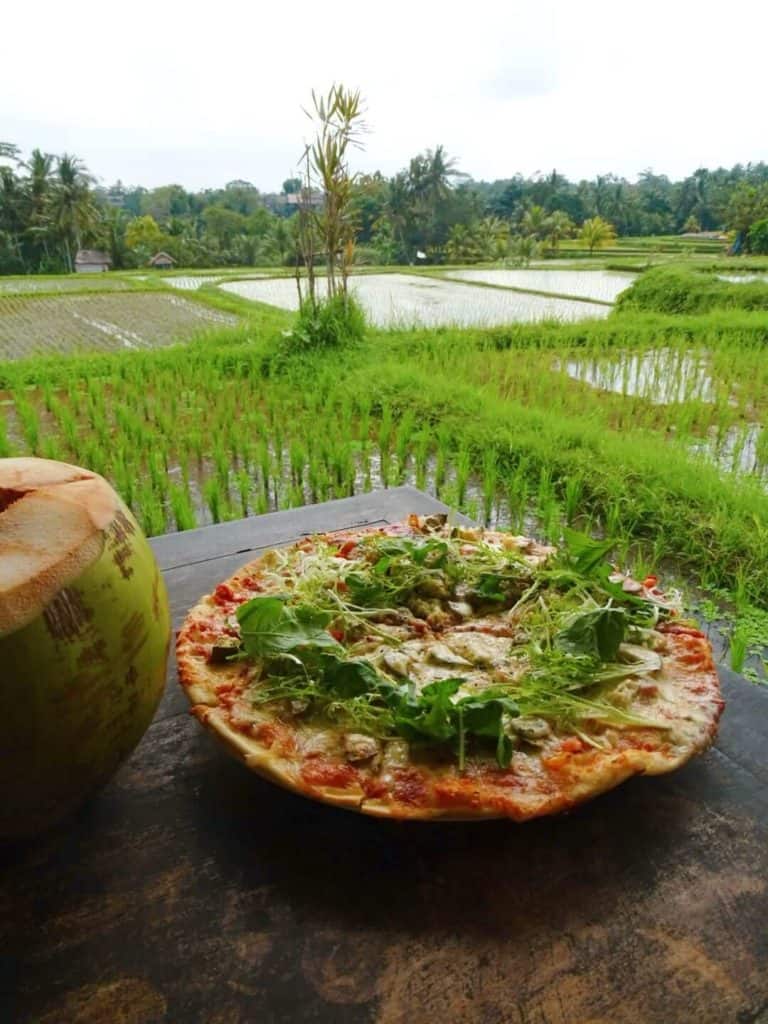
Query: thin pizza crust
(546, 783)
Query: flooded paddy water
(405, 300)
(602, 285)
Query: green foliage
(596, 233)
(682, 290)
(328, 323)
(757, 237)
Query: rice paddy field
(410, 300)
(640, 425)
(107, 322)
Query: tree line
(431, 211)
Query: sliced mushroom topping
(646, 661)
(359, 747)
(396, 662)
(479, 649)
(530, 728)
(443, 655)
(461, 608)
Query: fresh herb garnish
(598, 633)
(269, 627)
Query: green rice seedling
(264, 462)
(212, 495)
(613, 519)
(152, 513)
(472, 510)
(440, 467)
(5, 445)
(298, 459)
(221, 462)
(737, 649)
(403, 437)
(385, 467)
(761, 449)
(49, 449)
(182, 508)
(277, 444)
(156, 471)
(30, 422)
(364, 417)
(195, 442)
(463, 468)
(490, 482)
(551, 522)
(421, 458)
(243, 482)
(385, 429)
(574, 488)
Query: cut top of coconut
(52, 522)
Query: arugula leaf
(351, 678)
(428, 715)
(583, 553)
(597, 633)
(270, 628)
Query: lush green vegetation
(680, 289)
(50, 207)
(497, 422)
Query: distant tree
(493, 238)
(9, 151)
(523, 249)
(72, 208)
(534, 221)
(464, 244)
(596, 232)
(223, 224)
(748, 203)
(144, 237)
(557, 226)
(38, 190)
(757, 237)
(114, 230)
(291, 186)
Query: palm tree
(73, 211)
(558, 225)
(534, 221)
(493, 237)
(38, 193)
(596, 232)
(11, 214)
(9, 151)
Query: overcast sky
(162, 92)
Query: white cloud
(154, 93)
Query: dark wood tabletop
(189, 890)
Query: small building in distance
(91, 261)
(162, 261)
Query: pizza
(428, 670)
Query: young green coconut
(84, 633)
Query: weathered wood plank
(190, 890)
(277, 528)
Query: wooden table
(191, 890)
